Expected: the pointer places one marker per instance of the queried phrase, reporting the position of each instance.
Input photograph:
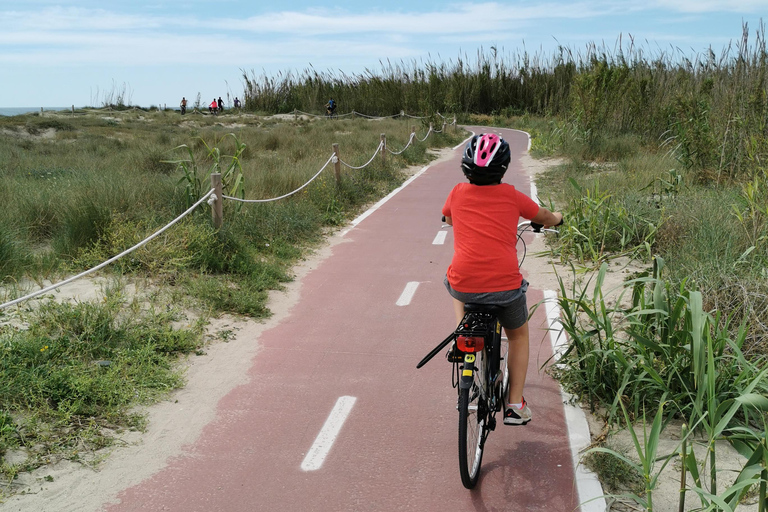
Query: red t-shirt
(485, 236)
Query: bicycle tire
(473, 418)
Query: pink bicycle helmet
(485, 159)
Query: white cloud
(706, 6)
(465, 18)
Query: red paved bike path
(397, 450)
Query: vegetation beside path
(90, 185)
(665, 163)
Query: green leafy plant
(196, 179)
(646, 452)
(598, 227)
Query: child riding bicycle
(330, 108)
(484, 214)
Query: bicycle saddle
(492, 309)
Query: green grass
(74, 373)
(80, 369)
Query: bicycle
(478, 373)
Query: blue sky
(57, 54)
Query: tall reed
(709, 110)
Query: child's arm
(547, 218)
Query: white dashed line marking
(328, 434)
(407, 295)
(440, 238)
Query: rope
(296, 112)
(425, 137)
(375, 117)
(406, 146)
(369, 161)
(414, 117)
(331, 159)
(112, 259)
(441, 129)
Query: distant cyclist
(213, 108)
(330, 108)
(183, 105)
(484, 214)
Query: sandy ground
(177, 422)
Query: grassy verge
(685, 340)
(90, 185)
(69, 378)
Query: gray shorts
(515, 312)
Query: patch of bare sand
(45, 134)
(174, 423)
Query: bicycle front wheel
(472, 423)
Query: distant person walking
(183, 105)
(221, 105)
(237, 102)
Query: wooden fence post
(337, 164)
(217, 210)
(413, 130)
(383, 149)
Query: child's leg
(517, 361)
(458, 308)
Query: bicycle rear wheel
(473, 417)
(471, 426)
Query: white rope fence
(427, 135)
(376, 117)
(211, 198)
(331, 159)
(381, 144)
(410, 140)
(112, 259)
(356, 113)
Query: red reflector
(470, 344)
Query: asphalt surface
(391, 444)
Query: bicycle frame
(479, 378)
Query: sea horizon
(17, 111)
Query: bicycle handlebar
(537, 228)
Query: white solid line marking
(440, 238)
(325, 439)
(462, 143)
(590, 491)
(407, 295)
(557, 335)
